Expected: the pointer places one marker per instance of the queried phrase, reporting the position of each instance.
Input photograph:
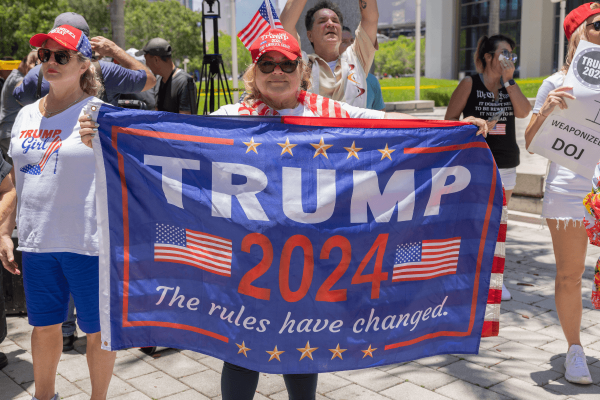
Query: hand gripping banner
(287, 247)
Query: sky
(245, 10)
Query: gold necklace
(51, 113)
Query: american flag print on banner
(426, 260)
(259, 25)
(197, 249)
(499, 129)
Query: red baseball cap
(66, 36)
(275, 40)
(577, 17)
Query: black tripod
(212, 64)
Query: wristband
(509, 83)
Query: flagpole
(234, 55)
(270, 12)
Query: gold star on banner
(252, 145)
(287, 147)
(321, 148)
(337, 352)
(385, 153)
(243, 348)
(352, 151)
(275, 354)
(307, 351)
(369, 351)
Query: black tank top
(502, 139)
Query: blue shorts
(50, 277)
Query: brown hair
(580, 33)
(252, 90)
(487, 45)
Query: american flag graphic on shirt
(259, 25)
(426, 260)
(499, 129)
(197, 249)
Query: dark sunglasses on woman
(288, 66)
(62, 57)
(596, 25)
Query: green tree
(97, 15)
(166, 19)
(244, 57)
(397, 57)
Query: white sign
(571, 137)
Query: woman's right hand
(556, 98)
(88, 128)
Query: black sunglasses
(62, 57)
(596, 25)
(288, 66)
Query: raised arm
(290, 15)
(108, 48)
(369, 18)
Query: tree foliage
(244, 57)
(397, 57)
(166, 19)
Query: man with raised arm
(342, 77)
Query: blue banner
(286, 247)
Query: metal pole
(561, 35)
(418, 52)
(234, 58)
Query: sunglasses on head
(62, 57)
(596, 25)
(287, 66)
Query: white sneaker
(577, 370)
(505, 293)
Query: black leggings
(238, 383)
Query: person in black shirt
(176, 90)
(493, 95)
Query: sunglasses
(596, 25)
(62, 57)
(507, 55)
(288, 66)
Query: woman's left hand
(478, 122)
(88, 128)
(508, 69)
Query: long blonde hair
(580, 33)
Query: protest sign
(286, 247)
(571, 137)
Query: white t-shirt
(560, 179)
(55, 179)
(303, 111)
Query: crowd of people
(43, 103)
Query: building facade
(455, 26)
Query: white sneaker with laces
(505, 293)
(577, 370)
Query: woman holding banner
(493, 95)
(565, 190)
(276, 84)
(56, 210)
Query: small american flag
(259, 25)
(426, 260)
(499, 129)
(197, 249)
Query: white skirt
(565, 190)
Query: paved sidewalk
(524, 362)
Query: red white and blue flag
(499, 129)
(197, 249)
(426, 260)
(259, 24)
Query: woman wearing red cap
(563, 207)
(276, 84)
(56, 211)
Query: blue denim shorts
(50, 277)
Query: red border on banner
(161, 135)
(370, 123)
